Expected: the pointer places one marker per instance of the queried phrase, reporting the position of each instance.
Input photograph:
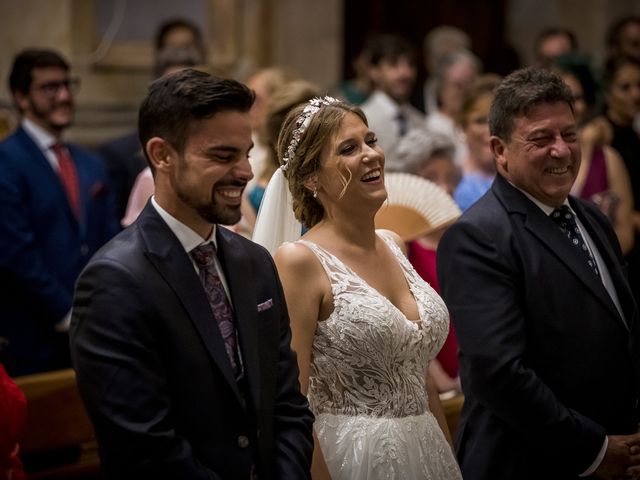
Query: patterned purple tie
(565, 219)
(204, 256)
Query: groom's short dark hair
(174, 102)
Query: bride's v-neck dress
(367, 379)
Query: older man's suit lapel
(238, 272)
(166, 253)
(547, 233)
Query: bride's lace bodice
(367, 357)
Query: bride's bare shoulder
(297, 257)
(395, 237)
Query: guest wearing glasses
(55, 214)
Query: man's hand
(622, 458)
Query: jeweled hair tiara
(302, 123)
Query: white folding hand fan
(415, 206)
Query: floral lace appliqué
(367, 357)
(367, 379)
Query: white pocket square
(265, 305)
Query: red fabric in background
(597, 180)
(13, 414)
(423, 260)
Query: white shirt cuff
(598, 460)
(64, 324)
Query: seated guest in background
(622, 106)
(547, 328)
(280, 103)
(174, 58)
(264, 82)
(357, 88)
(552, 43)
(182, 33)
(479, 166)
(438, 43)
(623, 37)
(603, 177)
(180, 334)
(124, 162)
(427, 154)
(393, 71)
(56, 212)
(454, 75)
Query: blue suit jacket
(43, 248)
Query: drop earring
(315, 192)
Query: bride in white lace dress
(364, 324)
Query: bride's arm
(441, 379)
(302, 280)
(436, 408)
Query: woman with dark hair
(602, 177)
(622, 97)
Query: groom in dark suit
(547, 326)
(180, 333)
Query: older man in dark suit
(180, 334)
(547, 326)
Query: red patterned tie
(204, 257)
(68, 177)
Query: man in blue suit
(55, 213)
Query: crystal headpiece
(301, 125)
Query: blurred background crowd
(423, 72)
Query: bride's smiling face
(352, 166)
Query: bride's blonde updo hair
(300, 150)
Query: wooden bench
(58, 439)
